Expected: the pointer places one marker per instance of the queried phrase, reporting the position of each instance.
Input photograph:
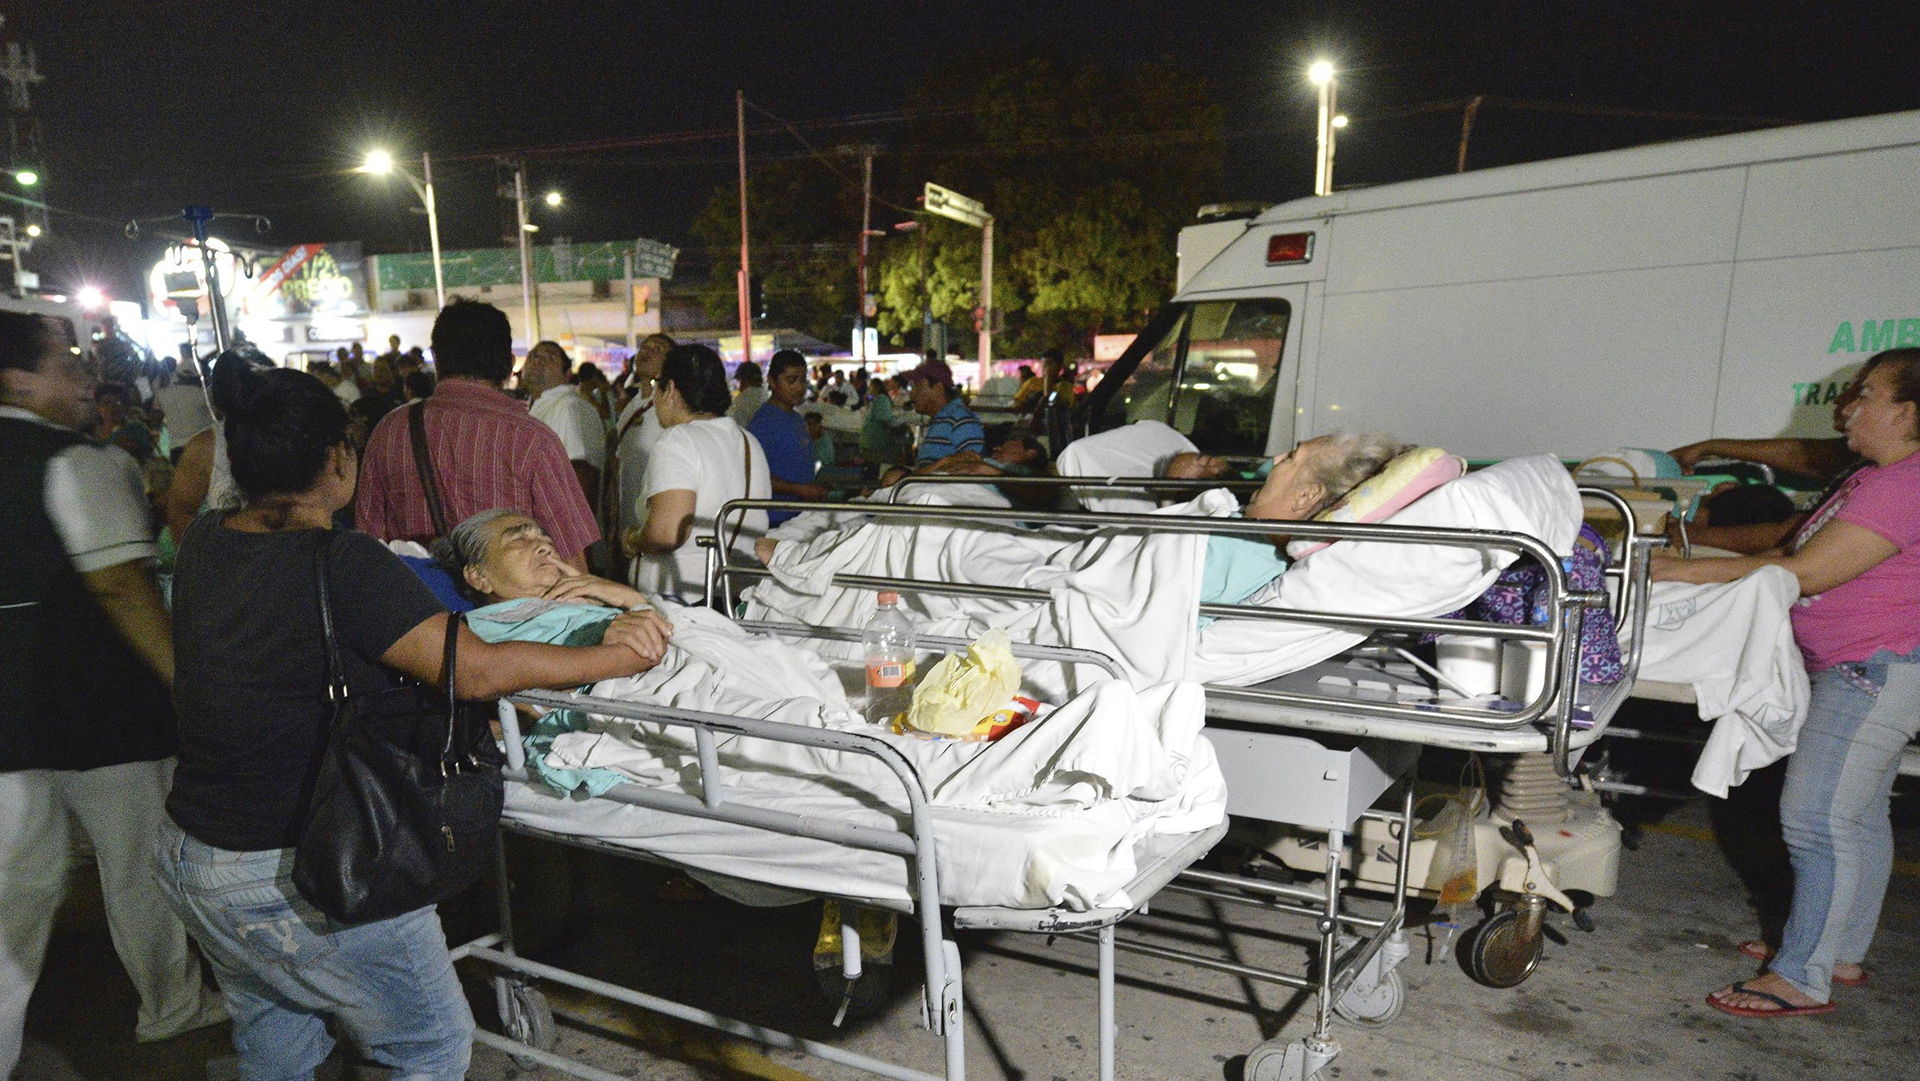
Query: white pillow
(1532, 495)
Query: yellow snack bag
(965, 687)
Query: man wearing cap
(952, 427)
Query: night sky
(265, 107)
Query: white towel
(1733, 644)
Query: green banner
(561, 262)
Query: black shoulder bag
(405, 810)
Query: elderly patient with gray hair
(503, 558)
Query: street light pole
(1320, 74)
(433, 229)
(745, 280)
(380, 163)
(526, 255)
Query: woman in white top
(702, 461)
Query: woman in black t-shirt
(251, 690)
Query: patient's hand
(644, 632)
(1188, 465)
(586, 587)
(763, 549)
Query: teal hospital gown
(1237, 568)
(559, 624)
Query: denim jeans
(1834, 817)
(286, 969)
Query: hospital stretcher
(1316, 753)
(527, 1018)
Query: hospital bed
(782, 839)
(1318, 748)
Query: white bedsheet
(1733, 643)
(1048, 815)
(1135, 596)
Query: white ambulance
(1649, 297)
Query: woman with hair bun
(702, 461)
(251, 691)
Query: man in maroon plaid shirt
(487, 450)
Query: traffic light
(757, 296)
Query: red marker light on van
(1289, 248)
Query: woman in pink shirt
(1858, 626)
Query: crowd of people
(175, 718)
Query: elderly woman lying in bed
(1302, 482)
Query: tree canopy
(1089, 171)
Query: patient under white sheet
(1134, 595)
(1049, 814)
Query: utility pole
(526, 254)
(1466, 129)
(746, 267)
(866, 229)
(633, 344)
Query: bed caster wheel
(1300, 1060)
(1376, 1006)
(529, 1020)
(1506, 948)
(1264, 1063)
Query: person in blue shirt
(782, 433)
(953, 428)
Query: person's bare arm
(1813, 457)
(131, 598)
(1750, 539)
(813, 493)
(191, 477)
(669, 521)
(589, 478)
(1838, 553)
(633, 643)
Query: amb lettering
(1875, 335)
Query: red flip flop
(1785, 1008)
(1763, 953)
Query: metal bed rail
(944, 999)
(1146, 485)
(1554, 707)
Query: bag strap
(336, 672)
(423, 462)
(746, 487)
(449, 656)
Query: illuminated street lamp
(27, 178)
(91, 298)
(381, 163)
(554, 198)
(1320, 74)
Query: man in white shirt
(753, 393)
(634, 433)
(558, 404)
(86, 654)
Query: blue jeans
(1833, 814)
(286, 969)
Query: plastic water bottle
(889, 639)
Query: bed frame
(527, 1018)
(1371, 746)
